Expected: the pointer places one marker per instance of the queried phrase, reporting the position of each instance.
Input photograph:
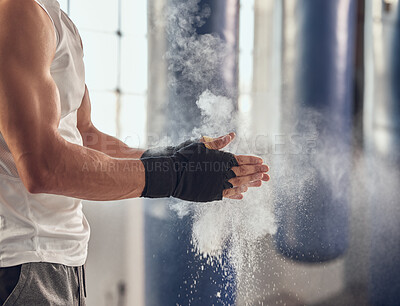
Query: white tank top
(42, 227)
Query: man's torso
(42, 227)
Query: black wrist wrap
(193, 173)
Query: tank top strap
(43, 6)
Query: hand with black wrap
(193, 173)
(240, 172)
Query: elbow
(36, 178)
(35, 185)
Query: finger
(236, 197)
(217, 143)
(208, 139)
(234, 191)
(243, 180)
(220, 142)
(248, 160)
(254, 184)
(205, 139)
(266, 177)
(249, 169)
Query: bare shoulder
(23, 12)
(25, 31)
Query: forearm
(80, 172)
(96, 140)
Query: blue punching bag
(318, 69)
(175, 275)
(383, 157)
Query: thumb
(218, 143)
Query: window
(115, 47)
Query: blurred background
(338, 59)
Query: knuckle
(238, 191)
(256, 176)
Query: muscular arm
(96, 140)
(30, 114)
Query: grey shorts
(42, 283)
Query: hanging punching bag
(175, 275)
(383, 157)
(317, 106)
